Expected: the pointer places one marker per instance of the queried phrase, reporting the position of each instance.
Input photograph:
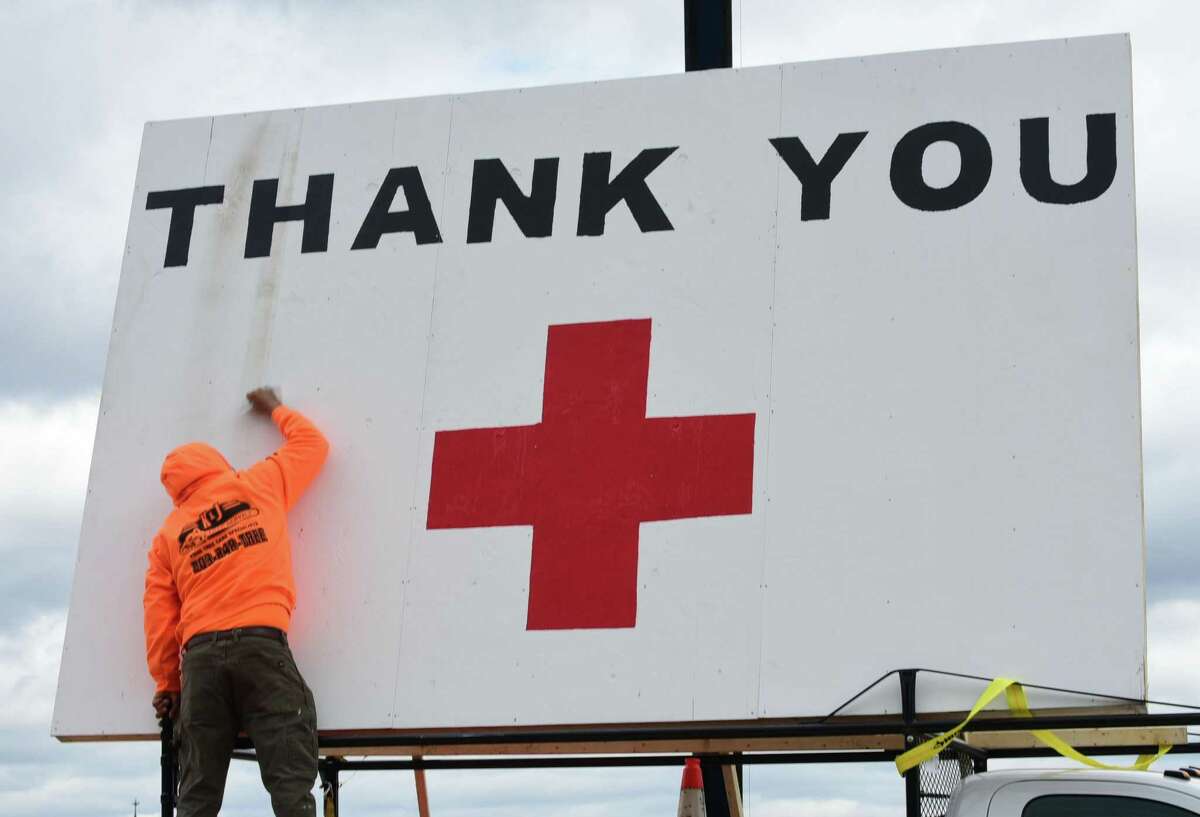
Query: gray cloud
(38, 563)
(43, 479)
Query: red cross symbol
(590, 473)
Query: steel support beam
(752, 759)
(328, 769)
(908, 708)
(795, 729)
(169, 767)
(707, 34)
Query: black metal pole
(167, 762)
(716, 802)
(908, 709)
(328, 770)
(707, 34)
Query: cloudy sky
(79, 80)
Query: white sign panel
(700, 397)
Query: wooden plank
(1081, 738)
(728, 745)
(733, 792)
(818, 743)
(422, 792)
(636, 747)
(997, 740)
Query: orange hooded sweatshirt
(223, 558)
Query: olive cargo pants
(250, 683)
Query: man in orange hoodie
(220, 593)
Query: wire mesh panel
(940, 777)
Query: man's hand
(264, 400)
(166, 705)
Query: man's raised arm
(298, 461)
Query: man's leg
(206, 731)
(280, 716)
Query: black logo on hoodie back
(212, 520)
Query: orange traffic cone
(691, 790)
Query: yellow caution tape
(932, 747)
(1018, 704)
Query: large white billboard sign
(700, 397)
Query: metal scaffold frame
(343, 752)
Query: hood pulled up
(189, 465)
